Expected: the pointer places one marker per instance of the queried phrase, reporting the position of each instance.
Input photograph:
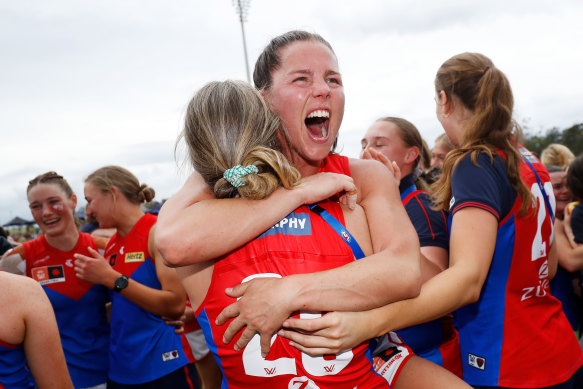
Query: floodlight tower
(242, 8)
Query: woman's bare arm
(569, 257)
(194, 227)
(42, 343)
(472, 246)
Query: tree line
(571, 137)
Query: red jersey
(516, 335)
(79, 305)
(302, 242)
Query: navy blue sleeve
(485, 186)
(577, 222)
(4, 245)
(431, 226)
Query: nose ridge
(46, 209)
(321, 88)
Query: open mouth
(318, 123)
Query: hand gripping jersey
(13, 371)
(516, 334)
(300, 243)
(79, 306)
(143, 348)
(438, 339)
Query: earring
(445, 115)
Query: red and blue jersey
(438, 339)
(79, 306)
(143, 348)
(14, 373)
(302, 242)
(516, 334)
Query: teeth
(319, 114)
(324, 132)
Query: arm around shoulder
(394, 239)
(195, 227)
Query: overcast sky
(85, 84)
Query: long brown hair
(228, 124)
(485, 91)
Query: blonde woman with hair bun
(557, 154)
(144, 350)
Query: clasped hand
(257, 312)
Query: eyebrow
(309, 72)
(375, 138)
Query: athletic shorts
(178, 379)
(197, 344)
(390, 356)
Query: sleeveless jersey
(143, 348)
(79, 306)
(302, 242)
(516, 334)
(390, 357)
(14, 373)
(438, 339)
(335, 163)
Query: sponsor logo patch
(170, 355)
(135, 257)
(476, 361)
(451, 202)
(297, 224)
(48, 274)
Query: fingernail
(237, 348)
(263, 355)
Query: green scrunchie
(234, 174)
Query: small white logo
(170, 355)
(69, 262)
(302, 383)
(543, 272)
(451, 202)
(476, 361)
(121, 250)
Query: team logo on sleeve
(135, 257)
(170, 355)
(48, 274)
(451, 202)
(293, 224)
(476, 361)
